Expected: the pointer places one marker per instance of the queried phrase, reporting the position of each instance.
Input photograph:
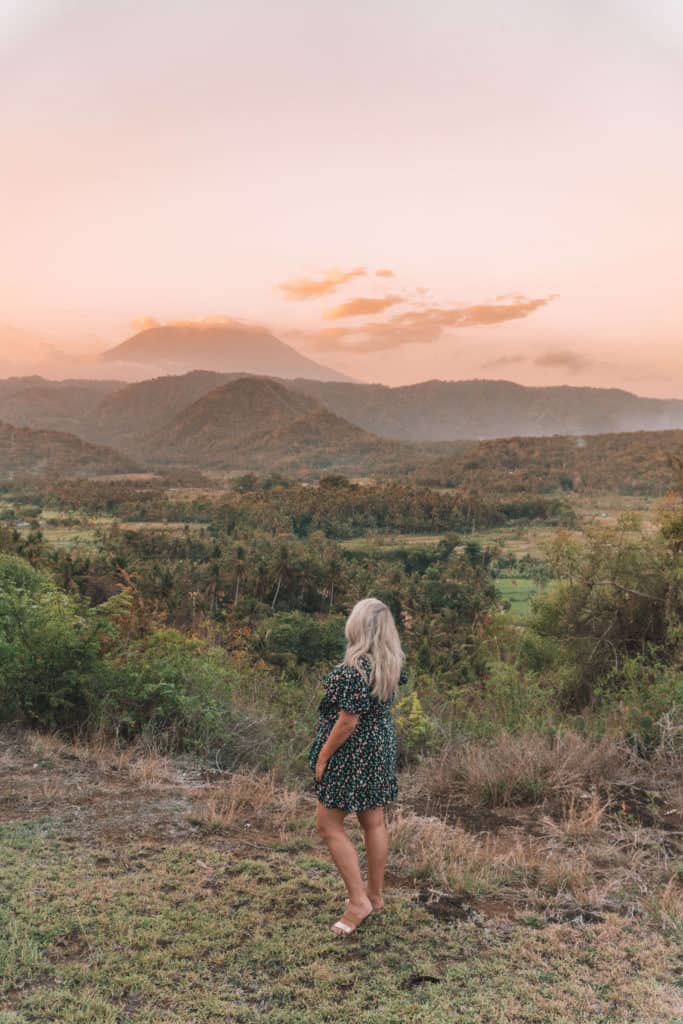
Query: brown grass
(139, 761)
(529, 768)
(246, 795)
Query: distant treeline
(336, 507)
(638, 463)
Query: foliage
(417, 733)
(618, 604)
(625, 463)
(169, 685)
(296, 637)
(48, 653)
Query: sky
(400, 190)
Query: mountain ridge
(32, 452)
(227, 347)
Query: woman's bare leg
(330, 825)
(376, 849)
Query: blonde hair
(371, 632)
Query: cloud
(218, 320)
(505, 360)
(384, 273)
(361, 307)
(565, 360)
(144, 323)
(300, 288)
(422, 326)
(571, 361)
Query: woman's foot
(355, 913)
(377, 900)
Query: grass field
(518, 591)
(133, 895)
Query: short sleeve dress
(361, 774)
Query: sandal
(348, 922)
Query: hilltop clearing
(144, 890)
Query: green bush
(416, 732)
(297, 638)
(508, 699)
(48, 649)
(175, 688)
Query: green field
(518, 591)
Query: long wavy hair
(371, 632)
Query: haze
(399, 190)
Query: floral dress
(362, 773)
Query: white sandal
(348, 922)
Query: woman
(354, 753)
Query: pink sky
(188, 159)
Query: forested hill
(440, 410)
(258, 423)
(106, 412)
(53, 453)
(629, 463)
(53, 404)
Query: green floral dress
(361, 774)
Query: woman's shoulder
(349, 672)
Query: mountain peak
(225, 346)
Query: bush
(48, 649)
(297, 638)
(173, 687)
(416, 732)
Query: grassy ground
(518, 591)
(135, 891)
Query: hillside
(111, 412)
(453, 410)
(52, 404)
(318, 441)
(153, 884)
(146, 406)
(628, 463)
(228, 347)
(229, 414)
(25, 451)
(256, 422)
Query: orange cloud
(300, 288)
(506, 360)
(361, 307)
(571, 361)
(384, 273)
(566, 360)
(144, 323)
(422, 326)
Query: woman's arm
(341, 730)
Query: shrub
(294, 637)
(48, 650)
(416, 732)
(178, 689)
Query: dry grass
(140, 761)
(121, 908)
(573, 846)
(247, 794)
(577, 822)
(529, 768)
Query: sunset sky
(401, 190)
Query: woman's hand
(320, 766)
